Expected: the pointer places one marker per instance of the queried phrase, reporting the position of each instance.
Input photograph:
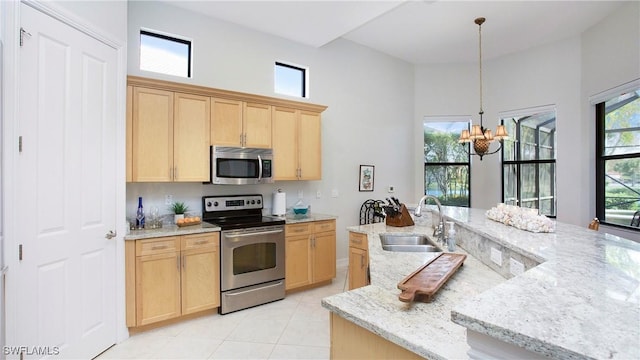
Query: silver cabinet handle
(110, 235)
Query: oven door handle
(243, 234)
(279, 283)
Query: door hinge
(23, 32)
(20, 252)
(19, 143)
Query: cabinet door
(200, 279)
(310, 149)
(157, 287)
(226, 122)
(191, 123)
(285, 143)
(324, 256)
(257, 125)
(297, 264)
(152, 135)
(358, 263)
(129, 135)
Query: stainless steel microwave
(241, 166)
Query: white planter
(177, 217)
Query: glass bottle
(451, 236)
(140, 215)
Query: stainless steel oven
(252, 250)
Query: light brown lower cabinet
(350, 341)
(310, 253)
(172, 276)
(358, 260)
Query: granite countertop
(582, 301)
(294, 219)
(171, 230)
(424, 328)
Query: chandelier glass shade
(479, 136)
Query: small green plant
(179, 207)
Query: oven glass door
(254, 257)
(251, 256)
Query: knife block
(400, 219)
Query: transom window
(529, 160)
(446, 164)
(165, 54)
(618, 160)
(290, 80)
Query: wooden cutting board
(423, 283)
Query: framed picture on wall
(366, 178)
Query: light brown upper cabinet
(171, 126)
(169, 136)
(240, 123)
(191, 124)
(297, 144)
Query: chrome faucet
(439, 230)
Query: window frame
(168, 37)
(537, 162)
(304, 87)
(602, 158)
(449, 119)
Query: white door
(66, 191)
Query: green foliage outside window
(446, 163)
(621, 156)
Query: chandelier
(480, 136)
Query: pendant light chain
(480, 21)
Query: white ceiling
(416, 31)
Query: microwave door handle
(259, 168)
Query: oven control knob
(215, 203)
(259, 201)
(209, 204)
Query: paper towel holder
(279, 203)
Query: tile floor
(296, 327)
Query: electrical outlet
(168, 199)
(318, 194)
(515, 267)
(391, 189)
(496, 256)
(334, 193)
(300, 194)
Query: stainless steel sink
(408, 243)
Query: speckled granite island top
(423, 328)
(582, 301)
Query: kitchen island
(578, 298)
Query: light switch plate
(334, 193)
(168, 199)
(496, 256)
(515, 267)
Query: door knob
(111, 234)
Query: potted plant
(179, 208)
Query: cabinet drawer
(358, 240)
(157, 246)
(200, 241)
(320, 226)
(298, 229)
